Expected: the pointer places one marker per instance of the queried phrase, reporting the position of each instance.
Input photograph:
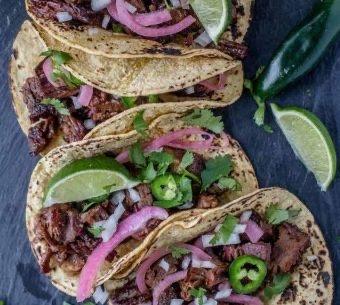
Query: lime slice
(88, 178)
(310, 141)
(215, 16)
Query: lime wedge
(88, 178)
(215, 16)
(310, 141)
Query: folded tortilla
(131, 251)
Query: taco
(96, 28)
(79, 192)
(264, 248)
(67, 95)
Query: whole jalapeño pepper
(299, 53)
(247, 273)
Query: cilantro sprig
(95, 230)
(178, 252)
(129, 101)
(275, 215)
(279, 284)
(140, 125)
(225, 231)
(206, 119)
(198, 294)
(57, 104)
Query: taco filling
(247, 259)
(93, 205)
(58, 101)
(165, 21)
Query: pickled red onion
(85, 95)
(253, 231)
(167, 282)
(153, 18)
(48, 71)
(128, 20)
(129, 226)
(209, 84)
(155, 256)
(243, 299)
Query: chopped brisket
(216, 276)
(289, 247)
(166, 296)
(206, 201)
(195, 278)
(128, 295)
(95, 214)
(232, 48)
(73, 129)
(268, 229)
(41, 133)
(103, 107)
(261, 250)
(145, 195)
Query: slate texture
(275, 163)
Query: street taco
(264, 248)
(66, 95)
(141, 184)
(99, 32)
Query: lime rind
(206, 13)
(326, 173)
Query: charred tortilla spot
(166, 51)
(325, 277)
(15, 53)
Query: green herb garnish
(225, 231)
(93, 201)
(229, 183)
(186, 161)
(216, 168)
(129, 101)
(136, 155)
(57, 104)
(153, 98)
(58, 57)
(178, 252)
(279, 284)
(206, 119)
(275, 215)
(96, 231)
(198, 294)
(139, 124)
(117, 28)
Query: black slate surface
(275, 163)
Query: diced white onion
(223, 294)
(234, 239)
(186, 262)
(164, 265)
(197, 301)
(98, 5)
(110, 226)
(176, 302)
(312, 258)
(186, 206)
(100, 295)
(203, 39)
(64, 16)
(210, 301)
(134, 195)
(217, 228)
(118, 197)
(130, 7)
(185, 4)
(75, 102)
(89, 124)
(196, 263)
(93, 31)
(190, 90)
(176, 3)
(106, 21)
(245, 216)
(146, 303)
(239, 229)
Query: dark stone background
(275, 163)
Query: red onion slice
(153, 18)
(209, 83)
(253, 231)
(197, 251)
(128, 20)
(129, 226)
(85, 95)
(167, 282)
(48, 71)
(243, 299)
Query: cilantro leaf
(95, 231)
(225, 230)
(57, 104)
(216, 168)
(275, 215)
(185, 189)
(186, 161)
(153, 98)
(229, 183)
(279, 284)
(178, 252)
(139, 124)
(149, 173)
(129, 101)
(162, 160)
(206, 119)
(198, 294)
(58, 57)
(136, 155)
(70, 80)
(117, 28)
(93, 201)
